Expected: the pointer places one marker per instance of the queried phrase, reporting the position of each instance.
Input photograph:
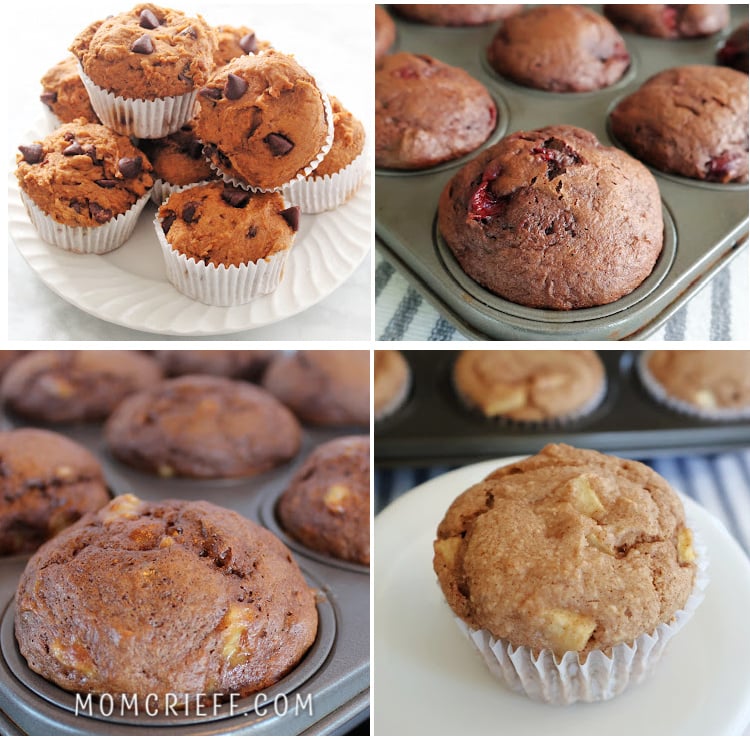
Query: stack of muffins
(154, 102)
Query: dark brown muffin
(427, 112)
(552, 219)
(46, 483)
(562, 48)
(691, 121)
(75, 385)
(323, 387)
(669, 21)
(327, 504)
(8, 357)
(457, 15)
(247, 364)
(385, 33)
(733, 52)
(203, 427)
(146, 598)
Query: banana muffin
(326, 506)
(47, 482)
(248, 364)
(669, 21)
(64, 93)
(385, 33)
(471, 14)
(172, 597)
(392, 381)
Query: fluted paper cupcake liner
(162, 189)
(146, 119)
(96, 240)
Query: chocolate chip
(100, 214)
(235, 197)
(189, 31)
(69, 136)
(210, 92)
(251, 232)
(32, 153)
(130, 167)
(234, 87)
(167, 221)
(184, 75)
(279, 144)
(143, 45)
(73, 149)
(188, 212)
(255, 119)
(106, 183)
(77, 205)
(90, 151)
(49, 99)
(194, 150)
(291, 216)
(148, 20)
(249, 44)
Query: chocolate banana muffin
(669, 21)
(561, 48)
(248, 364)
(327, 504)
(734, 51)
(385, 33)
(203, 427)
(690, 121)
(60, 386)
(153, 598)
(552, 219)
(46, 483)
(471, 14)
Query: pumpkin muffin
(64, 93)
(236, 41)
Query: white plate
(429, 680)
(129, 286)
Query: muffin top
(147, 53)
(568, 550)
(691, 121)
(385, 33)
(734, 51)
(472, 14)
(223, 225)
(232, 363)
(170, 597)
(83, 174)
(236, 41)
(669, 21)
(390, 383)
(64, 93)
(348, 141)
(286, 126)
(529, 385)
(178, 158)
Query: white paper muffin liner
(96, 240)
(662, 395)
(600, 677)
(146, 119)
(162, 189)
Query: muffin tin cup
(90, 240)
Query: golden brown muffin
(236, 41)
(348, 141)
(392, 379)
(64, 93)
(178, 159)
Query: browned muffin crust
(471, 14)
(385, 33)
(248, 364)
(64, 93)
(669, 21)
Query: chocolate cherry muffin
(734, 51)
(327, 504)
(428, 112)
(203, 427)
(561, 48)
(690, 121)
(669, 21)
(248, 364)
(172, 597)
(46, 483)
(457, 15)
(61, 386)
(552, 219)
(385, 33)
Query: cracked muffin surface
(568, 550)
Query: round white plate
(129, 286)
(429, 680)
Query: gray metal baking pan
(434, 427)
(328, 693)
(706, 223)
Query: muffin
(64, 93)
(323, 387)
(143, 68)
(326, 506)
(288, 127)
(427, 112)
(561, 48)
(336, 179)
(570, 571)
(83, 186)
(203, 427)
(55, 386)
(230, 363)
(733, 52)
(457, 15)
(552, 219)
(8, 357)
(385, 33)
(47, 482)
(223, 245)
(171, 598)
(711, 384)
(690, 121)
(530, 385)
(236, 41)
(392, 380)
(669, 21)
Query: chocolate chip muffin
(248, 364)
(203, 427)
(170, 597)
(690, 121)
(62, 386)
(323, 387)
(669, 21)
(236, 41)
(428, 112)
(385, 33)
(392, 380)
(327, 504)
(734, 51)
(552, 219)
(64, 93)
(46, 483)
(530, 385)
(456, 15)
(561, 48)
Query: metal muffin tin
(710, 220)
(335, 672)
(434, 427)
